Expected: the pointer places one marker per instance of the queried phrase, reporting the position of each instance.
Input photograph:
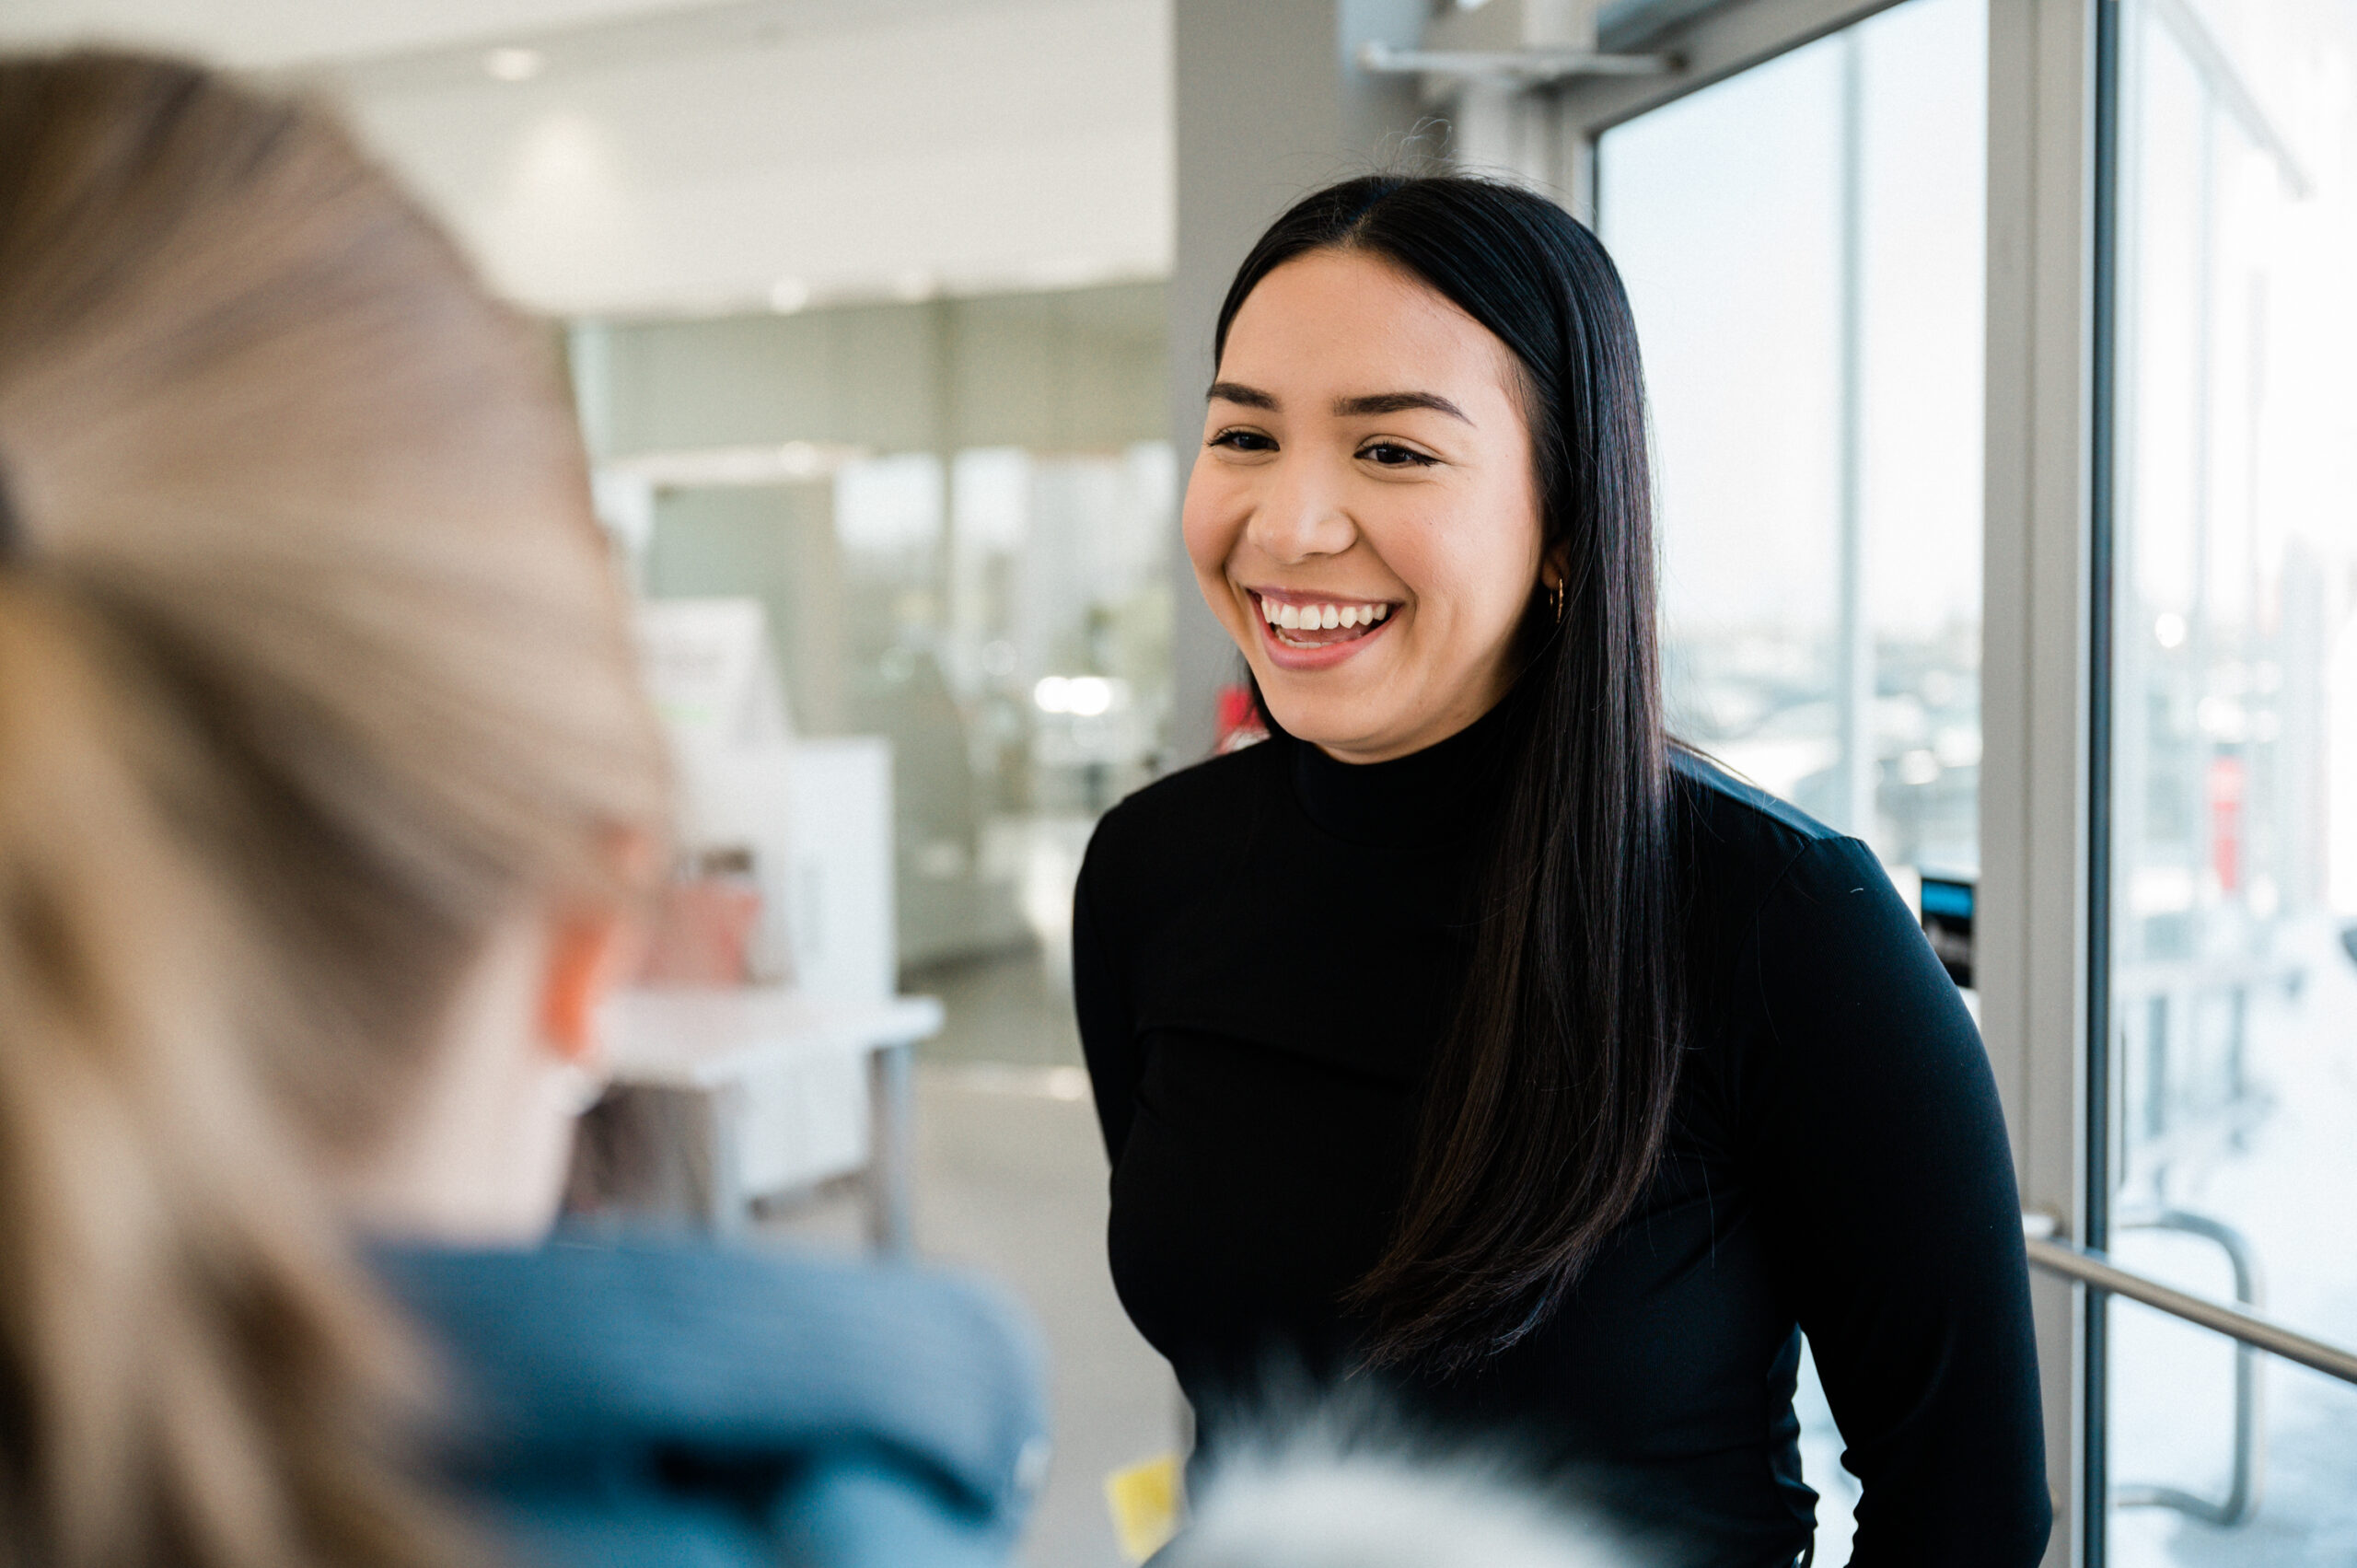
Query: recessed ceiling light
(789, 295)
(513, 65)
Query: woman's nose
(1301, 515)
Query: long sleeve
(1883, 1149)
(1108, 1035)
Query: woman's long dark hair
(1549, 1103)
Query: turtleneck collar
(1430, 797)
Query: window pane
(2173, 1445)
(2234, 809)
(1803, 245)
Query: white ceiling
(676, 156)
(268, 34)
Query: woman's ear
(1554, 566)
(590, 952)
(593, 947)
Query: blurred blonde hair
(313, 670)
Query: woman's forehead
(1343, 324)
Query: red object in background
(703, 931)
(2228, 778)
(1239, 719)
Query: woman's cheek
(1211, 523)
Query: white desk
(708, 1045)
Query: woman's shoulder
(870, 1401)
(1799, 926)
(1789, 914)
(1746, 847)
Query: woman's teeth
(1321, 617)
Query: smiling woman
(1469, 1039)
(1356, 412)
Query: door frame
(2039, 932)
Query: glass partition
(1803, 245)
(2231, 1059)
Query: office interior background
(2000, 360)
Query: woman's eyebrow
(1396, 403)
(1237, 392)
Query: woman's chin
(1349, 707)
(1347, 729)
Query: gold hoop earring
(1555, 600)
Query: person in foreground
(1469, 1036)
(326, 792)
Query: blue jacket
(696, 1408)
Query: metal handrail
(2251, 1437)
(2058, 1257)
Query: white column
(1854, 649)
(2031, 928)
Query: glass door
(2226, 1150)
(1803, 244)
(1803, 247)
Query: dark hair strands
(1549, 1102)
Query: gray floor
(1010, 1180)
(1003, 1011)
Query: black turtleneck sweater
(1266, 949)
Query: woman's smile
(1306, 631)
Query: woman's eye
(1244, 441)
(1391, 455)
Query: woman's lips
(1325, 631)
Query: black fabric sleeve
(1883, 1147)
(1107, 1038)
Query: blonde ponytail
(312, 671)
(188, 1359)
